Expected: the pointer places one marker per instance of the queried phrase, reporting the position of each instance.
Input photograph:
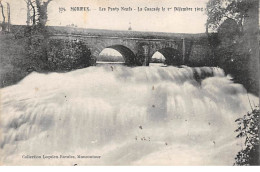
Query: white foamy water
(128, 116)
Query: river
(126, 115)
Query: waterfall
(127, 116)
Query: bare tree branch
(34, 12)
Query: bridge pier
(146, 55)
(183, 50)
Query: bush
(68, 55)
(248, 128)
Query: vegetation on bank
(248, 128)
(233, 32)
(234, 49)
(13, 60)
(27, 49)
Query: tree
(236, 23)
(42, 11)
(37, 34)
(37, 12)
(3, 24)
(9, 17)
(28, 12)
(220, 10)
(31, 8)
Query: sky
(168, 21)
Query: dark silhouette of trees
(220, 10)
(230, 18)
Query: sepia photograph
(129, 83)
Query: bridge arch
(172, 56)
(126, 52)
(110, 55)
(157, 57)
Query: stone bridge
(137, 48)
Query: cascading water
(128, 116)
